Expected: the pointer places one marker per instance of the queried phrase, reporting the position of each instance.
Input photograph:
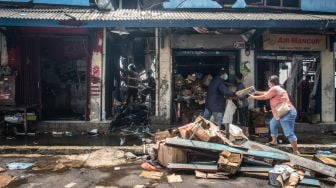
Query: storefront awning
(72, 17)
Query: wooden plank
(310, 181)
(255, 169)
(248, 170)
(297, 160)
(186, 166)
(325, 160)
(211, 168)
(219, 147)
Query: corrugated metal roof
(151, 15)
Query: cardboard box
(229, 162)
(185, 131)
(245, 92)
(279, 174)
(162, 135)
(201, 133)
(169, 154)
(203, 122)
(261, 130)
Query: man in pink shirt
(278, 95)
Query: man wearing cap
(215, 99)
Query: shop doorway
(192, 73)
(299, 74)
(63, 70)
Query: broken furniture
(202, 148)
(22, 109)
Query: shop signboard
(209, 42)
(294, 42)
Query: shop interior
(299, 73)
(136, 49)
(192, 72)
(64, 68)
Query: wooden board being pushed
(297, 160)
(261, 172)
(219, 147)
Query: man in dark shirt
(215, 101)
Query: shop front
(52, 69)
(193, 71)
(300, 61)
(193, 61)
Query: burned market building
(71, 62)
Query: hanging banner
(294, 42)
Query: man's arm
(225, 91)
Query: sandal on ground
(270, 144)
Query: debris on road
(130, 155)
(5, 180)
(174, 178)
(19, 166)
(148, 166)
(208, 175)
(151, 175)
(324, 160)
(201, 147)
(70, 185)
(2, 170)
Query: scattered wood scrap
(207, 175)
(222, 158)
(151, 175)
(174, 178)
(324, 160)
(300, 161)
(5, 180)
(220, 147)
(229, 162)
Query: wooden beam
(219, 147)
(297, 160)
(213, 168)
(255, 169)
(185, 166)
(310, 181)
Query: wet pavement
(47, 139)
(74, 140)
(127, 176)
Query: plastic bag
(229, 112)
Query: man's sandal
(270, 144)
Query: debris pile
(203, 148)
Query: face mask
(226, 77)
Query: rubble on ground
(201, 147)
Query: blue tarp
(172, 4)
(319, 5)
(15, 1)
(64, 2)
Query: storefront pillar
(165, 89)
(247, 68)
(328, 86)
(95, 92)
